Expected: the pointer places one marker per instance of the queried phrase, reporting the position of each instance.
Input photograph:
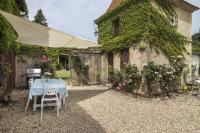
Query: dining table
(37, 88)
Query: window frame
(116, 27)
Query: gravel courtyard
(96, 109)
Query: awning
(36, 34)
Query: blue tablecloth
(38, 85)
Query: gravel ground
(72, 119)
(117, 112)
(94, 109)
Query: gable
(179, 3)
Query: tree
(40, 18)
(196, 36)
(22, 7)
(196, 42)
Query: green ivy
(7, 33)
(7, 36)
(196, 43)
(80, 68)
(140, 21)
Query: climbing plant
(80, 68)
(7, 39)
(141, 21)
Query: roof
(185, 5)
(35, 34)
(180, 3)
(114, 4)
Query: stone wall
(22, 64)
(185, 28)
(98, 68)
(141, 57)
(97, 62)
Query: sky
(76, 17)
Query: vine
(7, 39)
(80, 68)
(139, 21)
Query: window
(64, 62)
(116, 27)
(174, 22)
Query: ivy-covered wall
(7, 33)
(140, 21)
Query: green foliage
(40, 18)
(178, 63)
(22, 7)
(131, 72)
(115, 76)
(16, 7)
(140, 21)
(7, 33)
(7, 39)
(80, 68)
(150, 71)
(10, 6)
(166, 6)
(130, 77)
(196, 43)
(45, 67)
(125, 79)
(7, 36)
(63, 74)
(167, 76)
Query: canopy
(36, 34)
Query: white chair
(30, 83)
(62, 97)
(50, 94)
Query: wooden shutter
(124, 57)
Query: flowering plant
(124, 79)
(47, 74)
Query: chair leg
(57, 105)
(64, 101)
(42, 106)
(27, 105)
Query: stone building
(140, 53)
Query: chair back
(50, 90)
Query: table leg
(35, 102)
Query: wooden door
(10, 58)
(110, 60)
(124, 57)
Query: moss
(139, 21)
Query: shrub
(166, 77)
(130, 77)
(125, 79)
(151, 74)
